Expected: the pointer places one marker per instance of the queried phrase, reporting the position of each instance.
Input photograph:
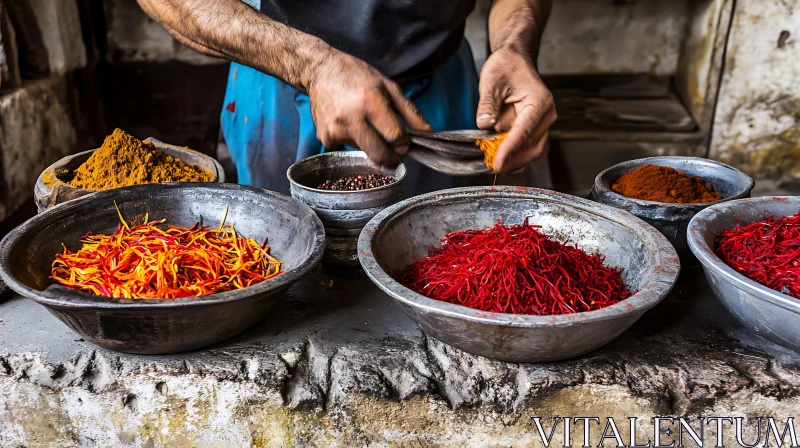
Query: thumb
(489, 104)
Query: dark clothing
(404, 39)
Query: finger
(406, 108)
(369, 141)
(385, 121)
(335, 134)
(506, 119)
(491, 101)
(530, 124)
(522, 158)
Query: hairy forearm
(518, 24)
(231, 29)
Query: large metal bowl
(404, 232)
(673, 219)
(296, 237)
(766, 312)
(51, 186)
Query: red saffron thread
(767, 252)
(515, 269)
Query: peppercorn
(357, 182)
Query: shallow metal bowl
(296, 237)
(51, 186)
(404, 232)
(306, 174)
(673, 219)
(766, 312)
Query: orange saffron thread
(149, 261)
(489, 146)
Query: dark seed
(357, 182)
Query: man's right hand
(353, 104)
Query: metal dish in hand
(151, 326)
(404, 232)
(764, 311)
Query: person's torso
(404, 39)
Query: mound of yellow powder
(124, 160)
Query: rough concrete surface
(607, 36)
(756, 121)
(337, 364)
(36, 129)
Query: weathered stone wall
(757, 120)
(602, 36)
(41, 118)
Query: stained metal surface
(295, 235)
(449, 149)
(459, 136)
(673, 219)
(762, 310)
(404, 232)
(48, 194)
(448, 165)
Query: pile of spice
(153, 261)
(489, 146)
(515, 269)
(124, 160)
(664, 184)
(767, 252)
(357, 182)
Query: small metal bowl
(151, 326)
(766, 312)
(404, 232)
(306, 174)
(346, 211)
(51, 186)
(673, 219)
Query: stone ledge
(332, 339)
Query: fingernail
(485, 117)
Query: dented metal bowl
(764, 311)
(673, 219)
(152, 326)
(343, 213)
(404, 232)
(306, 174)
(51, 186)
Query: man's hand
(514, 100)
(513, 97)
(354, 104)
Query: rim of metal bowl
(666, 266)
(605, 188)
(78, 299)
(356, 154)
(710, 260)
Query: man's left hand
(515, 100)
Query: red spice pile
(515, 269)
(664, 184)
(767, 252)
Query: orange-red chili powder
(664, 184)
